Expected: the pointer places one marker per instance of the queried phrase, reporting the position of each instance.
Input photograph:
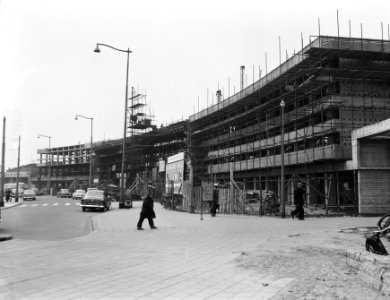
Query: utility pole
(3, 167)
(17, 175)
(282, 202)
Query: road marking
(46, 204)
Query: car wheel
(84, 208)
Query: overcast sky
(182, 51)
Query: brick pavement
(185, 258)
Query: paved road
(185, 258)
(47, 218)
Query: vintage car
(29, 195)
(78, 194)
(64, 193)
(96, 199)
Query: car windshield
(95, 193)
(80, 192)
(29, 192)
(64, 191)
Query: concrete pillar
(326, 188)
(307, 187)
(231, 192)
(290, 192)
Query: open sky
(182, 52)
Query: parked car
(29, 195)
(95, 199)
(78, 194)
(64, 193)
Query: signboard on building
(207, 190)
(161, 166)
(174, 173)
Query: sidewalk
(12, 203)
(226, 257)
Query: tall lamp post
(122, 181)
(49, 168)
(91, 155)
(282, 200)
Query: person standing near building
(299, 201)
(214, 204)
(7, 195)
(147, 212)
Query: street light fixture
(51, 160)
(97, 50)
(282, 200)
(91, 155)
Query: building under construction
(143, 151)
(295, 123)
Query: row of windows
(307, 144)
(236, 138)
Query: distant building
(27, 175)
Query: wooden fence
(237, 204)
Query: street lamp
(97, 50)
(91, 151)
(49, 168)
(282, 202)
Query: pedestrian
(8, 195)
(214, 204)
(147, 212)
(299, 201)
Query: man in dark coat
(147, 212)
(8, 195)
(299, 201)
(214, 204)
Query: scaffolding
(330, 87)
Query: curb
(16, 204)
(373, 270)
(5, 237)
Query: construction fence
(235, 201)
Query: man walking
(147, 212)
(299, 201)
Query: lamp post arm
(126, 51)
(89, 118)
(46, 136)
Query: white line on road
(77, 203)
(46, 204)
(67, 203)
(34, 205)
(55, 204)
(24, 205)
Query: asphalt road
(47, 218)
